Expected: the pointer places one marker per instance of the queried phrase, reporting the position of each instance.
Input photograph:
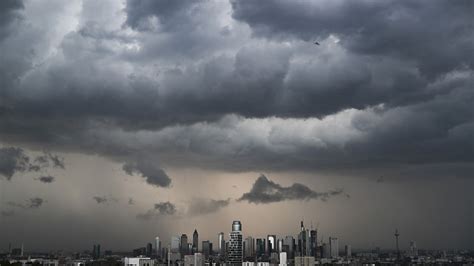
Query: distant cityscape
(304, 249)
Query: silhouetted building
(184, 249)
(175, 244)
(348, 251)
(206, 248)
(157, 246)
(235, 244)
(195, 241)
(249, 247)
(221, 244)
(260, 247)
(149, 249)
(333, 247)
(313, 239)
(96, 251)
(271, 244)
(289, 242)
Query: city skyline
(123, 120)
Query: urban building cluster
(234, 249)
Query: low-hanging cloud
(32, 203)
(46, 179)
(159, 209)
(14, 159)
(150, 171)
(266, 191)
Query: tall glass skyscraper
(235, 244)
(195, 241)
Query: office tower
(348, 251)
(149, 249)
(302, 239)
(175, 243)
(249, 247)
(235, 244)
(157, 246)
(283, 259)
(95, 251)
(221, 244)
(207, 248)
(260, 247)
(195, 241)
(396, 239)
(413, 249)
(333, 247)
(279, 246)
(289, 241)
(325, 251)
(184, 245)
(313, 240)
(271, 244)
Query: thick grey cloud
(266, 191)
(159, 209)
(32, 203)
(100, 200)
(150, 171)
(7, 213)
(46, 179)
(13, 159)
(436, 35)
(9, 12)
(202, 206)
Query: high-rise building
(289, 242)
(302, 241)
(175, 243)
(95, 251)
(195, 241)
(207, 248)
(157, 246)
(249, 247)
(413, 249)
(221, 244)
(184, 249)
(280, 245)
(348, 251)
(149, 249)
(260, 247)
(271, 244)
(333, 247)
(235, 244)
(313, 241)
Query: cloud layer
(266, 191)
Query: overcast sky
(125, 120)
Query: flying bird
(317, 43)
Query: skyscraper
(175, 243)
(289, 242)
(206, 248)
(302, 239)
(158, 246)
(195, 241)
(271, 244)
(249, 247)
(260, 247)
(221, 244)
(235, 244)
(184, 245)
(348, 250)
(333, 247)
(313, 239)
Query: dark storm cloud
(9, 11)
(194, 106)
(170, 14)
(159, 209)
(14, 160)
(46, 179)
(203, 206)
(100, 199)
(32, 203)
(150, 171)
(437, 35)
(266, 191)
